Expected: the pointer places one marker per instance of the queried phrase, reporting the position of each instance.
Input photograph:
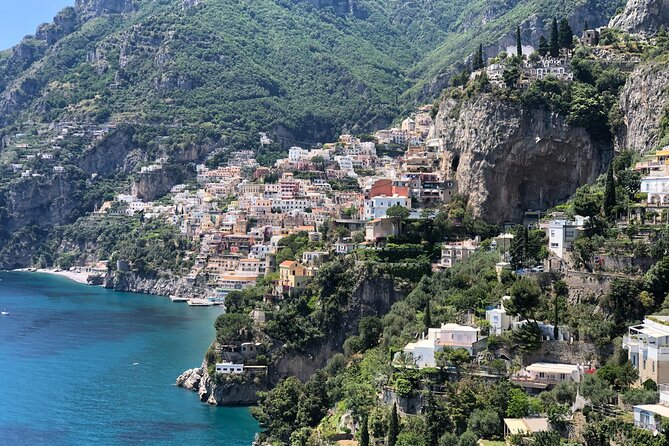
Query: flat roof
(551, 367)
(655, 408)
(526, 425)
(459, 327)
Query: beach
(72, 275)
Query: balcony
(631, 343)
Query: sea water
(85, 365)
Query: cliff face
(372, 296)
(228, 393)
(36, 201)
(642, 16)
(508, 160)
(162, 285)
(642, 102)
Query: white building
(376, 207)
(648, 416)
(657, 188)
(542, 375)
(499, 320)
(452, 253)
(562, 233)
(447, 336)
(228, 368)
(647, 345)
(295, 154)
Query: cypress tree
(586, 25)
(555, 42)
(609, 193)
(481, 61)
(427, 317)
(393, 427)
(364, 432)
(544, 49)
(566, 35)
(519, 43)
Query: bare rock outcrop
(642, 102)
(95, 8)
(642, 16)
(508, 159)
(231, 391)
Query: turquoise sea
(85, 365)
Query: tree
(233, 327)
(519, 43)
(448, 439)
(484, 423)
(657, 279)
(370, 329)
(610, 194)
(468, 438)
(555, 39)
(427, 317)
(410, 439)
(519, 404)
(364, 432)
(518, 248)
(566, 35)
(525, 297)
(477, 60)
(544, 48)
(596, 390)
(277, 409)
(393, 427)
(547, 438)
(398, 211)
(511, 76)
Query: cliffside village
(241, 212)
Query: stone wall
(564, 352)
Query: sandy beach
(77, 277)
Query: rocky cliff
(642, 16)
(508, 159)
(161, 285)
(373, 295)
(643, 102)
(230, 392)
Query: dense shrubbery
(150, 246)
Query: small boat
(4, 312)
(174, 298)
(200, 303)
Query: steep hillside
(302, 68)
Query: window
(541, 374)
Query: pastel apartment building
(647, 345)
(452, 253)
(447, 336)
(544, 375)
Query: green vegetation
(150, 247)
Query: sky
(21, 17)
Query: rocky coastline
(234, 391)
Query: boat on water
(174, 298)
(200, 303)
(4, 312)
(216, 300)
